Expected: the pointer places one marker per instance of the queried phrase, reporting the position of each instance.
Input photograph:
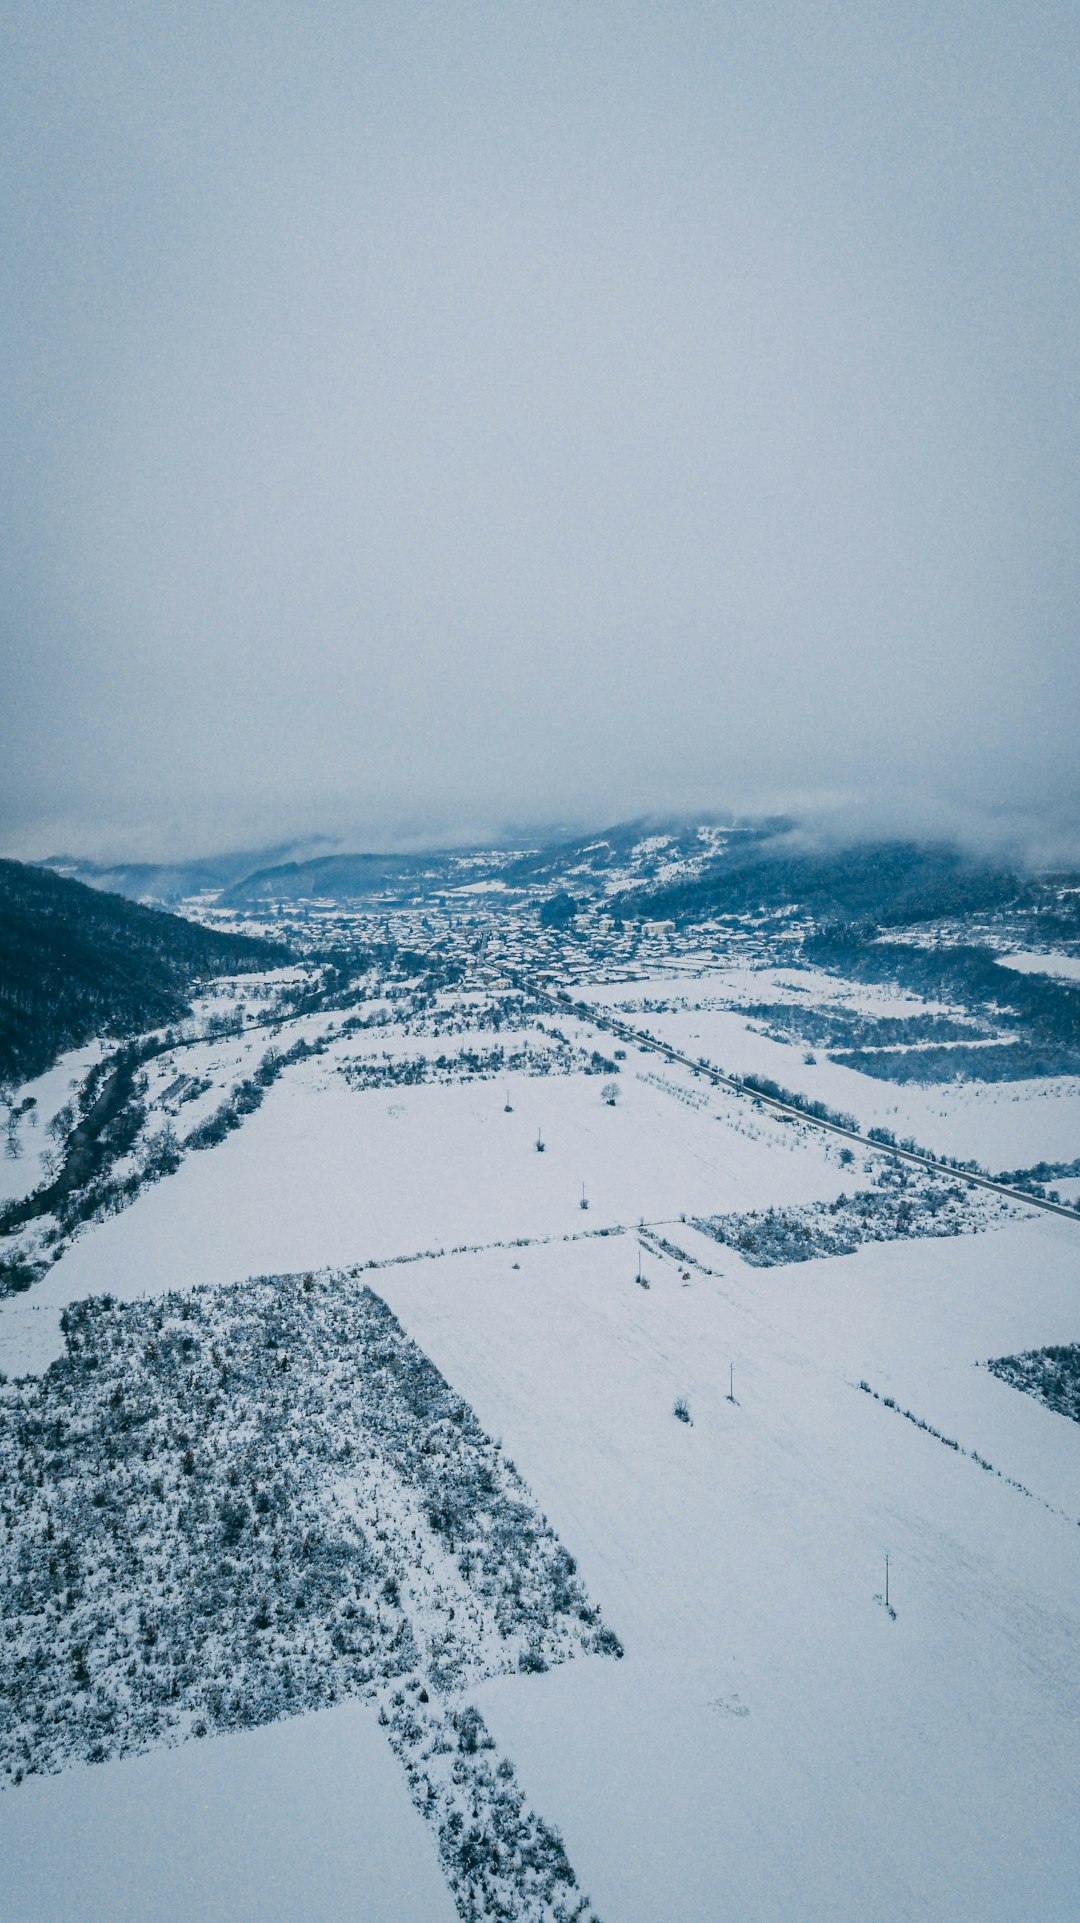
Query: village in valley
(615, 1350)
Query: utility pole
(731, 1382)
(584, 1199)
(886, 1579)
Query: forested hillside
(340, 877)
(1043, 1014)
(76, 963)
(888, 883)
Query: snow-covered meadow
(1003, 1125)
(325, 1174)
(774, 1743)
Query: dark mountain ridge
(886, 883)
(75, 963)
(336, 877)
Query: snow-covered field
(1001, 1124)
(23, 1169)
(1064, 967)
(775, 1745)
(305, 1818)
(326, 1175)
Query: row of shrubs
(820, 1111)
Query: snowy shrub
(233, 1537)
(1052, 1375)
(196, 1538)
(905, 1203)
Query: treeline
(222, 1540)
(904, 1206)
(1043, 1013)
(834, 1027)
(820, 1111)
(75, 963)
(1000, 1062)
(248, 1095)
(473, 1064)
(1052, 1375)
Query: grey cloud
(423, 418)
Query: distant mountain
(683, 870)
(643, 854)
(634, 854)
(75, 963)
(887, 883)
(167, 882)
(333, 878)
(628, 855)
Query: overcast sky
(423, 418)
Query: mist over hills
(682, 869)
(336, 877)
(166, 882)
(76, 960)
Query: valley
(510, 1332)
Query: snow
(774, 1746)
(30, 1334)
(1065, 967)
(1000, 1124)
(910, 1769)
(51, 1091)
(323, 1175)
(307, 1818)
